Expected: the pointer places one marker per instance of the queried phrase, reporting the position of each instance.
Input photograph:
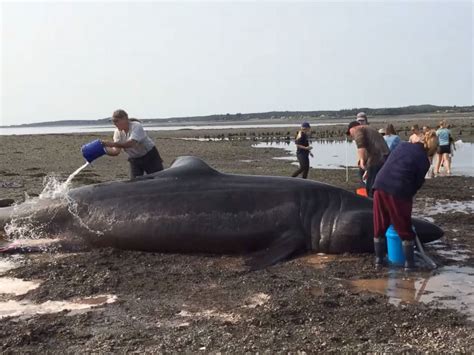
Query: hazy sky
(82, 60)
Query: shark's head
(34, 217)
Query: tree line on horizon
(326, 114)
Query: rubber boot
(409, 251)
(380, 250)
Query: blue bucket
(93, 150)
(394, 247)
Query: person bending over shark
(396, 184)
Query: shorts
(444, 149)
(150, 163)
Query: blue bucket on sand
(93, 150)
(394, 247)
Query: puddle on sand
(27, 309)
(336, 154)
(6, 265)
(452, 252)
(15, 287)
(450, 287)
(320, 260)
(9, 285)
(210, 314)
(431, 207)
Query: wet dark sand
(177, 303)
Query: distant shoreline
(275, 117)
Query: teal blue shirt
(443, 136)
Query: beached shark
(193, 208)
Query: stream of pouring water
(69, 179)
(55, 189)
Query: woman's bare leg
(447, 163)
(439, 157)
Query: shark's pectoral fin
(354, 233)
(287, 244)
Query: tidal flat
(191, 303)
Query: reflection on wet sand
(9, 285)
(450, 287)
(320, 260)
(14, 308)
(13, 286)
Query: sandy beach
(191, 303)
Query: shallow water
(331, 154)
(14, 308)
(148, 127)
(431, 207)
(328, 154)
(14, 286)
(452, 252)
(10, 286)
(6, 265)
(448, 287)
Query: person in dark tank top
(303, 150)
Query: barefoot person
(444, 148)
(132, 138)
(303, 150)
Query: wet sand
(178, 303)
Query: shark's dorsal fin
(183, 167)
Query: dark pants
(372, 172)
(388, 210)
(150, 163)
(304, 166)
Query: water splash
(54, 193)
(447, 287)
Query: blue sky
(83, 60)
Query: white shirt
(137, 133)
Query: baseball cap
(305, 125)
(361, 116)
(352, 124)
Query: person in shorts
(444, 148)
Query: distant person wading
(303, 150)
(132, 138)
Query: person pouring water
(130, 136)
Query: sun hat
(351, 125)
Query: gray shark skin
(192, 208)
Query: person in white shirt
(130, 136)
